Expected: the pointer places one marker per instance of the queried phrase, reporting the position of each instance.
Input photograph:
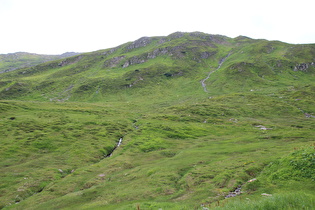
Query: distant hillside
(248, 64)
(13, 61)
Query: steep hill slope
(173, 122)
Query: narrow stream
(117, 145)
(219, 66)
(236, 192)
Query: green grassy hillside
(13, 61)
(199, 116)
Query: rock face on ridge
(142, 42)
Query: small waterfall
(117, 145)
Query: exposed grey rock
(108, 52)
(134, 60)
(303, 66)
(113, 62)
(205, 55)
(142, 42)
(236, 192)
(219, 39)
(308, 115)
(71, 60)
(176, 52)
(157, 52)
(163, 40)
(263, 127)
(177, 35)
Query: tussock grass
(182, 146)
(295, 200)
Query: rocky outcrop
(108, 52)
(236, 192)
(176, 52)
(157, 52)
(176, 35)
(303, 66)
(218, 39)
(114, 61)
(205, 55)
(134, 60)
(142, 42)
(71, 60)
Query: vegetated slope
(13, 61)
(182, 146)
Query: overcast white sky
(58, 26)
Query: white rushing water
(118, 144)
(219, 66)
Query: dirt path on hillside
(203, 82)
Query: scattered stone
(61, 171)
(101, 175)
(262, 127)
(236, 192)
(233, 120)
(265, 194)
(252, 180)
(303, 66)
(309, 115)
